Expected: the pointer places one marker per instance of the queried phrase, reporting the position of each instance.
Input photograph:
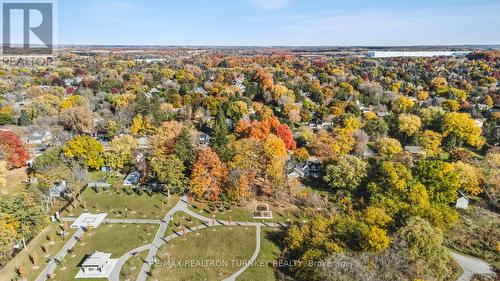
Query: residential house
(203, 139)
(295, 170)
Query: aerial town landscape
(151, 162)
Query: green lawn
(262, 269)
(139, 206)
(205, 254)
(36, 248)
(132, 267)
(181, 221)
(246, 213)
(116, 239)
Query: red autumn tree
(286, 135)
(12, 150)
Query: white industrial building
(394, 54)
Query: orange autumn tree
(209, 175)
(261, 130)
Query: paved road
(471, 266)
(252, 259)
(51, 266)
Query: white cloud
(271, 4)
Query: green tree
(169, 169)
(184, 149)
(376, 127)
(220, 137)
(346, 173)
(440, 179)
(426, 246)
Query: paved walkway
(471, 266)
(51, 266)
(115, 275)
(157, 242)
(252, 259)
(148, 221)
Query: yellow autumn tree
(409, 124)
(431, 142)
(3, 173)
(141, 126)
(376, 239)
(85, 149)
(403, 104)
(469, 178)
(275, 153)
(120, 151)
(463, 127)
(388, 147)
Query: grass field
(181, 221)
(116, 239)
(138, 206)
(246, 213)
(14, 179)
(262, 269)
(132, 267)
(206, 254)
(9, 272)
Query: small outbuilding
(97, 265)
(58, 189)
(132, 179)
(462, 201)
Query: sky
(279, 22)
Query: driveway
(471, 266)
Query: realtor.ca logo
(28, 27)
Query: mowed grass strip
(120, 206)
(245, 214)
(41, 248)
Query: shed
(462, 201)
